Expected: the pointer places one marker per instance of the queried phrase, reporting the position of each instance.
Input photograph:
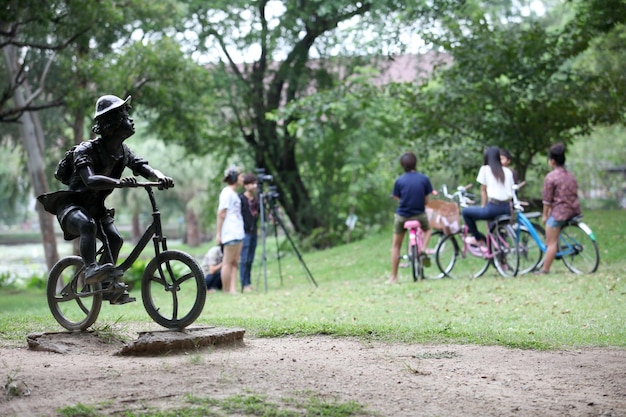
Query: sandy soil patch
(390, 379)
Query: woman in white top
(496, 191)
(230, 231)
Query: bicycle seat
(573, 220)
(412, 224)
(532, 215)
(503, 218)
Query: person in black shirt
(250, 214)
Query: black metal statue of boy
(97, 167)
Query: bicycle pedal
(122, 299)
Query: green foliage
(281, 74)
(36, 282)
(350, 135)
(248, 405)
(79, 410)
(6, 280)
(256, 405)
(134, 274)
(14, 186)
(326, 133)
(519, 92)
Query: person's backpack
(65, 167)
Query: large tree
(514, 84)
(287, 44)
(61, 56)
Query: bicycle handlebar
(141, 184)
(518, 205)
(460, 194)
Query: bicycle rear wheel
(578, 241)
(530, 254)
(446, 254)
(505, 249)
(173, 289)
(431, 250)
(73, 304)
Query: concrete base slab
(165, 341)
(148, 343)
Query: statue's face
(117, 124)
(126, 123)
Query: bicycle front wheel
(446, 254)
(530, 253)
(415, 263)
(506, 250)
(432, 272)
(74, 304)
(579, 248)
(173, 289)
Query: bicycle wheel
(530, 253)
(475, 266)
(74, 305)
(432, 272)
(505, 249)
(579, 244)
(415, 263)
(173, 289)
(446, 254)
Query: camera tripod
(268, 200)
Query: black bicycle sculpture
(172, 286)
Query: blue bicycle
(577, 249)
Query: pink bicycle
(418, 255)
(501, 247)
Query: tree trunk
(193, 229)
(136, 228)
(277, 155)
(30, 126)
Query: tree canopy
(288, 85)
(516, 85)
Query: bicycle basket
(444, 215)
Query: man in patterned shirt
(560, 202)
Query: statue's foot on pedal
(95, 273)
(117, 293)
(118, 298)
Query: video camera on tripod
(269, 198)
(262, 177)
(272, 191)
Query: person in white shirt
(230, 232)
(496, 192)
(212, 268)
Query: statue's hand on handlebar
(165, 181)
(127, 182)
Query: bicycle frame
(474, 250)
(416, 240)
(461, 196)
(501, 245)
(416, 234)
(567, 245)
(153, 232)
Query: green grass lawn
(541, 312)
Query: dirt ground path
(390, 379)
